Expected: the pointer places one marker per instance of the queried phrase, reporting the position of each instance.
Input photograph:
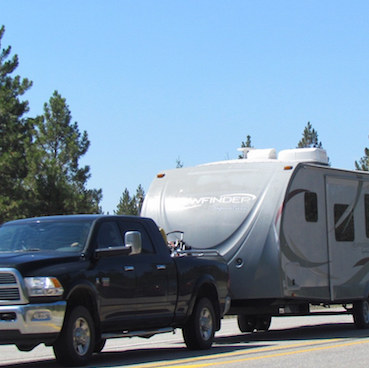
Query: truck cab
(72, 282)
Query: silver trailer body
(291, 228)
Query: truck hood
(24, 261)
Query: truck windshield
(63, 236)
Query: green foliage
(309, 138)
(57, 181)
(363, 163)
(40, 173)
(179, 163)
(139, 197)
(130, 205)
(15, 136)
(246, 143)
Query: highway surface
(324, 341)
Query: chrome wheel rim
(206, 324)
(81, 336)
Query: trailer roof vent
(316, 155)
(252, 154)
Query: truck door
(156, 281)
(115, 280)
(345, 210)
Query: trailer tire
(198, 333)
(246, 323)
(361, 313)
(76, 342)
(263, 323)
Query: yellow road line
(266, 356)
(186, 361)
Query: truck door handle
(161, 267)
(129, 268)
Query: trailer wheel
(263, 323)
(361, 313)
(76, 341)
(198, 333)
(246, 323)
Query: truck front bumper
(31, 319)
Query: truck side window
(343, 223)
(366, 204)
(147, 246)
(108, 235)
(311, 207)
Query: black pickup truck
(74, 281)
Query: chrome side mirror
(133, 240)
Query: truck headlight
(43, 286)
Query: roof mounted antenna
(245, 151)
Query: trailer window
(311, 207)
(366, 203)
(344, 223)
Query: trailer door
(303, 241)
(344, 202)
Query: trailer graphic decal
(225, 201)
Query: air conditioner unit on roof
(316, 155)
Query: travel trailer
(294, 231)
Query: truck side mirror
(133, 240)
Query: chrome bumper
(33, 318)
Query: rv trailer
(294, 231)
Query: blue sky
(152, 81)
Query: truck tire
(198, 333)
(99, 345)
(246, 323)
(361, 313)
(76, 341)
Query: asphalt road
(324, 341)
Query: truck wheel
(263, 323)
(198, 333)
(246, 323)
(76, 341)
(361, 313)
(99, 345)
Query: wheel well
(209, 290)
(84, 297)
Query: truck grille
(7, 278)
(9, 294)
(9, 287)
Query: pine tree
(179, 163)
(126, 205)
(56, 179)
(309, 138)
(363, 163)
(139, 198)
(15, 136)
(131, 205)
(245, 144)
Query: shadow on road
(223, 344)
(309, 332)
(138, 356)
